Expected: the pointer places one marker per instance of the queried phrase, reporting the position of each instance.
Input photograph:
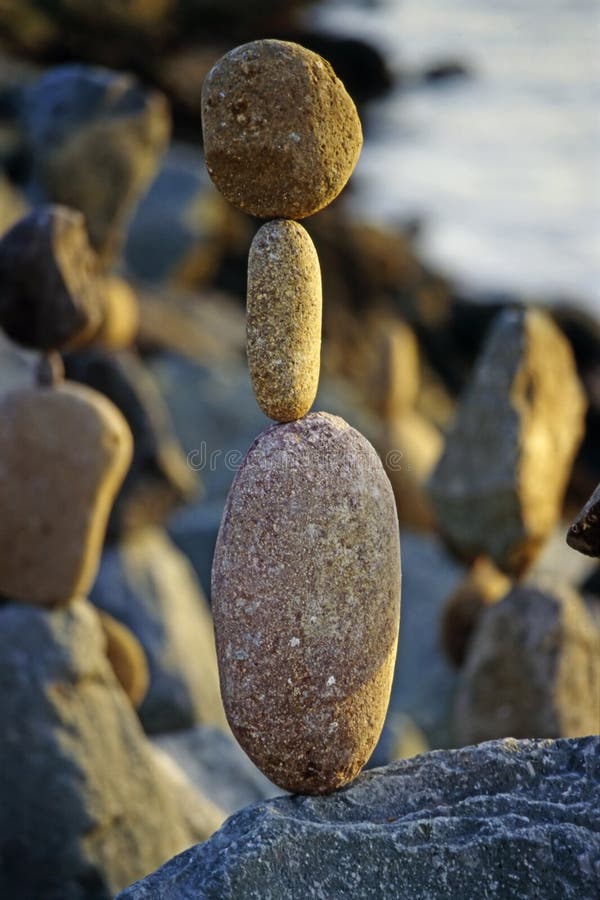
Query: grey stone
(499, 486)
(148, 585)
(84, 808)
(584, 533)
(532, 668)
(217, 766)
(96, 138)
(507, 819)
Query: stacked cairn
(306, 573)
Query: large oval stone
(284, 319)
(306, 602)
(281, 135)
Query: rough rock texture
(483, 586)
(281, 135)
(217, 766)
(148, 585)
(84, 809)
(584, 533)
(306, 602)
(510, 818)
(284, 319)
(64, 452)
(500, 483)
(50, 297)
(96, 138)
(532, 669)
(127, 657)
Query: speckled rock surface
(306, 602)
(508, 819)
(532, 668)
(281, 135)
(284, 319)
(50, 298)
(64, 452)
(499, 486)
(84, 810)
(584, 533)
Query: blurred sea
(503, 168)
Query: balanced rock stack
(306, 573)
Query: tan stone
(121, 317)
(306, 602)
(410, 449)
(281, 135)
(64, 452)
(284, 319)
(394, 371)
(126, 656)
(499, 485)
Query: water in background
(502, 167)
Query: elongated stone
(64, 452)
(306, 602)
(281, 135)
(284, 319)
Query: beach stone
(483, 586)
(85, 810)
(127, 658)
(284, 319)
(120, 317)
(306, 602)
(510, 818)
(50, 297)
(410, 448)
(584, 533)
(532, 668)
(394, 368)
(281, 135)
(96, 139)
(146, 584)
(64, 452)
(499, 486)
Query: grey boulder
(507, 819)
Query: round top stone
(281, 134)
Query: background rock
(149, 586)
(505, 819)
(532, 668)
(84, 808)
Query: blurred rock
(410, 450)
(145, 583)
(401, 738)
(584, 533)
(483, 586)
(50, 297)
(17, 366)
(180, 226)
(96, 138)
(532, 669)
(508, 819)
(12, 203)
(499, 486)
(120, 314)
(217, 766)
(127, 658)
(84, 808)
(158, 479)
(393, 369)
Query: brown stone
(281, 135)
(410, 449)
(394, 371)
(126, 656)
(121, 316)
(483, 586)
(63, 454)
(306, 602)
(50, 297)
(284, 319)
(499, 486)
(532, 669)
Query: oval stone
(64, 452)
(284, 319)
(281, 134)
(306, 602)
